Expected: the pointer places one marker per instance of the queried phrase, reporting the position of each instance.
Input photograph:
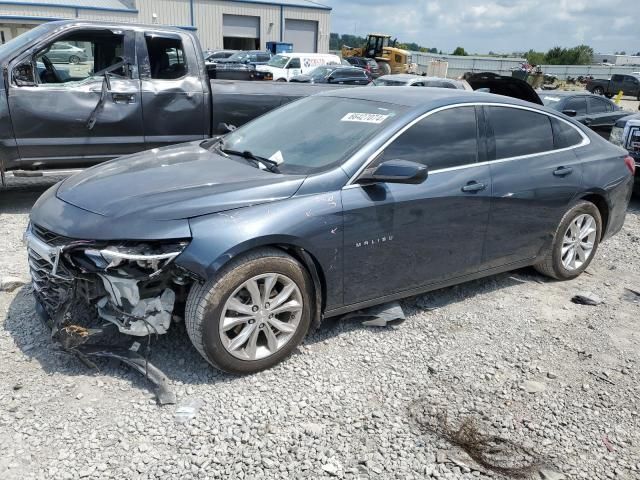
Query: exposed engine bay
(89, 292)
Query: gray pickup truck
(137, 87)
(627, 84)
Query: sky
(502, 26)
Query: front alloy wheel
(261, 316)
(253, 313)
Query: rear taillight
(631, 164)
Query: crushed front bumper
(61, 302)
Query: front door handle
(473, 187)
(123, 97)
(562, 171)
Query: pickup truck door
(175, 89)
(616, 84)
(51, 104)
(631, 86)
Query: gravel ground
(510, 351)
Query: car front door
(399, 237)
(535, 174)
(294, 67)
(175, 99)
(65, 114)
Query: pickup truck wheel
(74, 59)
(598, 91)
(281, 80)
(574, 244)
(253, 314)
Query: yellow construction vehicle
(381, 48)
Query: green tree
(580, 55)
(534, 58)
(459, 51)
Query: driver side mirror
(395, 171)
(23, 75)
(570, 113)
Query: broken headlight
(131, 258)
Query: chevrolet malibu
(330, 204)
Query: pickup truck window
(80, 55)
(617, 78)
(166, 57)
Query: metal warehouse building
(232, 24)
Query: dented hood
(180, 181)
(503, 85)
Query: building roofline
(315, 6)
(64, 20)
(60, 5)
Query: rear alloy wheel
(253, 314)
(574, 244)
(74, 59)
(598, 91)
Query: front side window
(518, 132)
(279, 61)
(166, 57)
(442, 140)
(291, 135)
(577, 104)
(294, 63)
(79, 56)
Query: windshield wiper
(269, 164)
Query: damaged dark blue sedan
(330, 204)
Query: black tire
(608, 95)
(551, 265)
(74, 59)
(206, 302)
(598, 91)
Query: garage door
(303, 34)
(241, 32)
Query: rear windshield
(386, 82)
(313, 134)
(550, 100)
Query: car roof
(564, 93)
(424, 97)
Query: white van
(287, 65)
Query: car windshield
(320, 72)
(550, 101)
(279, 61)
(387, 82)
(239, 57)
(313, 134)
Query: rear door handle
(562, 171)
(123, 97)
(473, 186)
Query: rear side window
(616, 78)
(443, 140)
(519, 132)
(579, 104)
(166, 57)
(597, 105)
(264, 57)
(564, 135)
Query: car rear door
(175, 98)
(601, 116)
(616, 84)
(535, 175)
(400, 237)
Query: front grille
(51, 291)
(50, 237)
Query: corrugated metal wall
(207, 17)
